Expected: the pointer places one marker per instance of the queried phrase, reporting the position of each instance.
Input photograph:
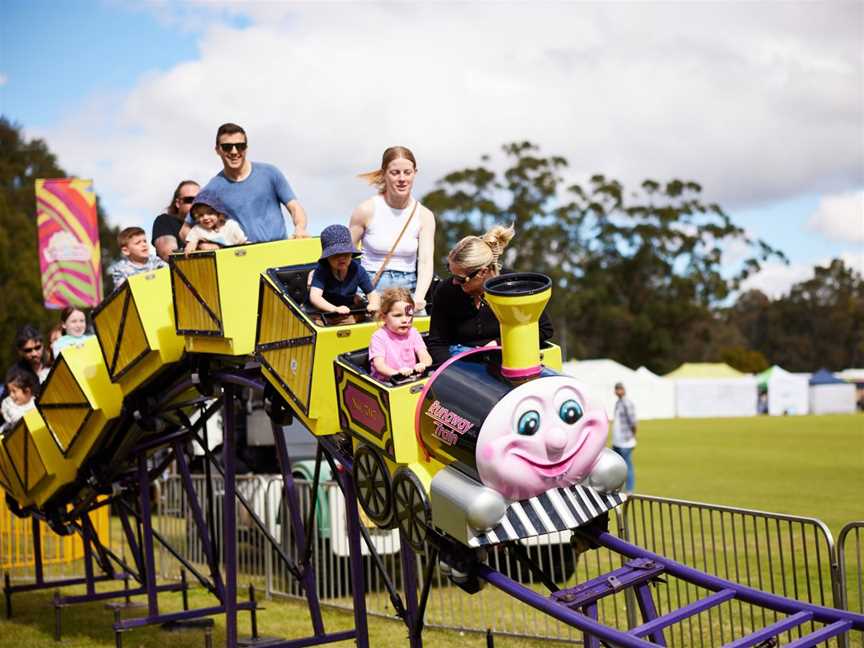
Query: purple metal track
(741, 592)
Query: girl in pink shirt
(397, 348)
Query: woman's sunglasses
(459, 280)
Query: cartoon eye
(570, 412)
(528, 423)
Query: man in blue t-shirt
(254, 191)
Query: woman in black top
(170, 228)
(460, 315)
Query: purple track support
(149, 575)
(358, 584)
(200, 523)
(229, 515)
(589, 640)
(742, 592)
(292, 500)
(37, 550)
(88, 560)
(649, 611)
(409, 576)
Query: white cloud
(840, 217)
(3, 79)
(775, 278)
(749, 99)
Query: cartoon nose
(556, 441)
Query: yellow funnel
(518, 300)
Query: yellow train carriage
(77, 403)
(136, 331)
(297, 351)
(216, 292)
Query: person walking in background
(253, 192)
(624, 432)
(170, 228)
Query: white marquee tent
(788, 393)
(713, 390)
(831, 395)
(653, 397)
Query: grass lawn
(801, 465)
(89, 626)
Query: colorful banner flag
(69, 253)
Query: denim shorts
(397, 278)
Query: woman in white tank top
(376, 224)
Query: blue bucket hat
(213, 201)
(336, 239)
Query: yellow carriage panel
(135, 328)
(77, 401)
(9, 477)
(377, 413)
(204, 284)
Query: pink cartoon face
(542, 435)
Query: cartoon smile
(557, 468)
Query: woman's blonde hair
(376, 177)
(390, 296)
(478, 252)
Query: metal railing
(788, 555)
(850, 556)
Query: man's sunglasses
(31, 349)
(226, 148)
(458, 280)
(188, 200)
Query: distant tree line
(640, 275)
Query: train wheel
(413, 514)
(372, 483)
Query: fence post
(630, 602)
(268, 550)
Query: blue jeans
(397, 278)
(627, 456)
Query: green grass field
(811, 466)
(801, 465)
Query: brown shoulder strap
(383, 267)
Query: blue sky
(751, 100)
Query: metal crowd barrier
(850, 555)
(16, 542)
(789, 555)
(783, 554)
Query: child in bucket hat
(214, 227)
(339, 275)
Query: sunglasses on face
(187, 200)
(459, 280)
(226, 148)
(31, 349)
